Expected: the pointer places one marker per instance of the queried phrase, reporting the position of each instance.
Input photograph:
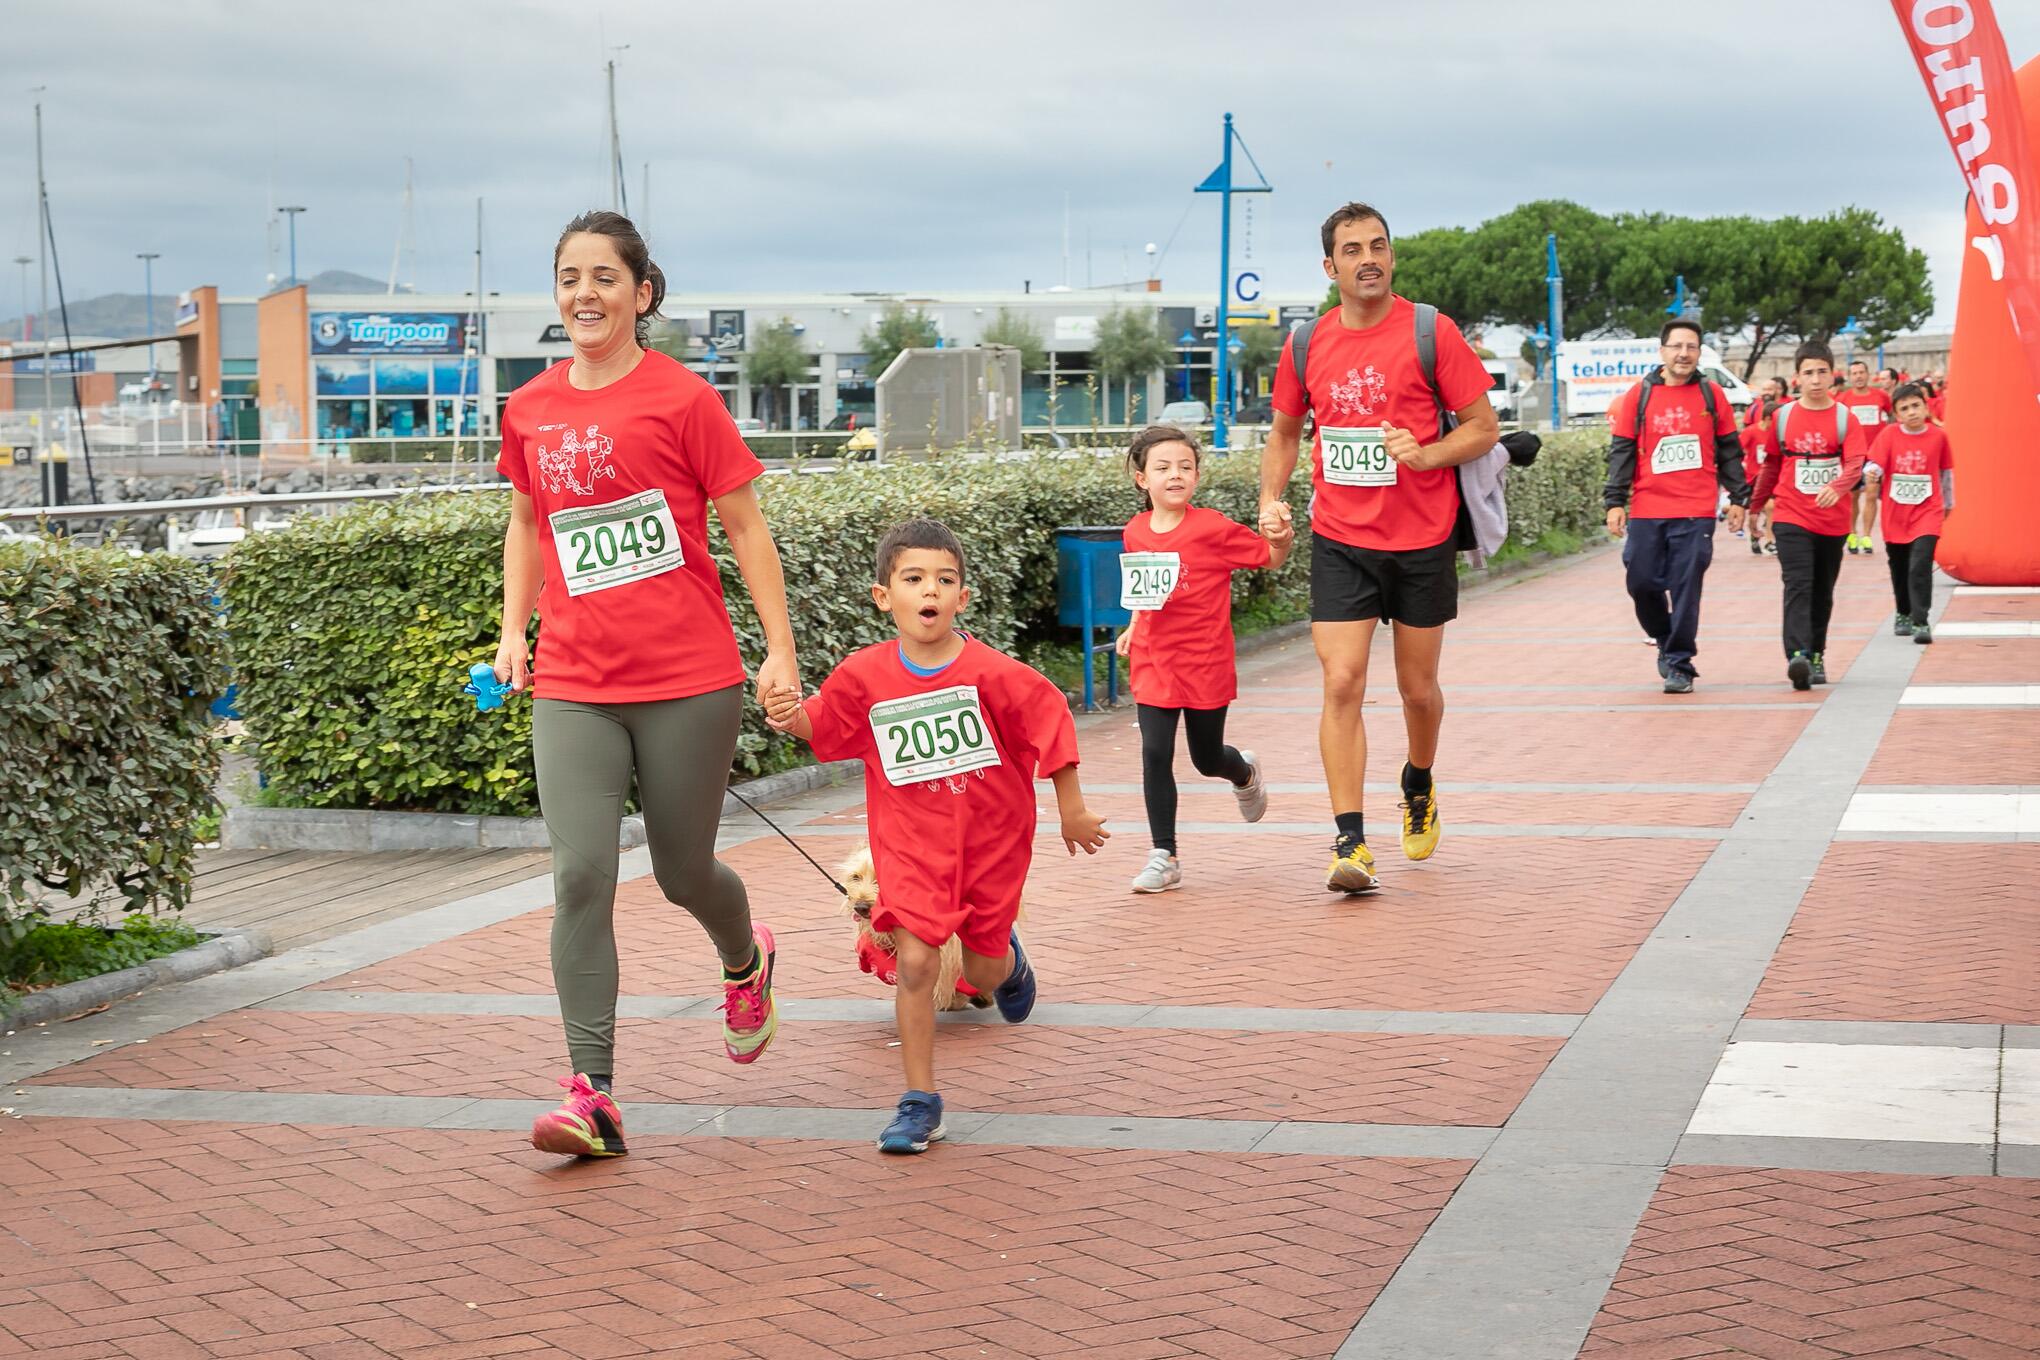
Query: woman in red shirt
(615, 459)
(1176, 574)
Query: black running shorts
(1419, 588)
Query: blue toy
(489, 692)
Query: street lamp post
(24, 261)
(1233, 347)
(1554, 283)
(291, 213)
(1186, 342)
(1849, 331)
(1546, 371)
(148, 259)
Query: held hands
(513, 662)
(777, 671)
(1402, 446)
(1618, 521)
(1275, 521)
(1081, 826)
(781, 704)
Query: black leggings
(1205, 729)
(1912, 575)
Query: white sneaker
(1161, 873)
(1253, 799)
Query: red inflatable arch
(1993, 538)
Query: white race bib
(927, 736)
(1355, 458)
(604, 546)
(1911, 488)
(1811, 475)
(1867, 415)
(1676, 453)
(1147, 579)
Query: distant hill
(124, 316)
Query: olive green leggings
(680, 751)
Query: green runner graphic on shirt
(927, 736)
(1147, 579)
(603, 546)
(1355, 458)
(1911, 488)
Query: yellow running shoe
(1352, 868)
(1420, 823)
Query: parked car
(1258, 412)
(1184, 413)
(750, 425)
(850, 420)
(863, 442)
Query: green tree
(1130, 347)
(773, 363)
(1010, 328)
(897, 329)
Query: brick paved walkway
(1712, 1030)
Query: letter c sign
(1247, 286)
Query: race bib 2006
(1911, 488)
(927, 736)
(604, 546)
(1355, 458)
(1676, 453)
(1147, 579)
(1812, 475)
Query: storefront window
(342, 377)
(400, 419)
(455, 377)
(442, 416)
(343, 419)
(402, 377)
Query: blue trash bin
(1087, 596)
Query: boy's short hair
(1680, 323)
(1812, 349)
(1351, 212)
(921, 532)
(1908, 392)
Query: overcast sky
(928, 147)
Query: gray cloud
(917, 145)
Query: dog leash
(790, 841)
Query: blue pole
(1553, 281)
(1223, 396)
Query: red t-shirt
(1756, 445)
(1871, 407)
(1807, 461)
(1183, 652)
(1903, 458)
(1360, 380)
(631, 609)
(1675, 474)
(951, 849)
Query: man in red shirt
(1871, 407)
(1674, 441)
(1815, 464)
(1386, 516)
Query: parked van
(1596, 372)
(1502, 389)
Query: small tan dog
(875, 952)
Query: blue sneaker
(917, 1124)
(1016, 994)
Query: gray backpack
(1464, 539)
(1841, 425)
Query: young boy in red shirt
(1816, 461)
(1916, 467)
(952, 734)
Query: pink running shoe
(750, 1016)
(588, 1125)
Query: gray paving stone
(2018, 1159)
(1938, 1035)
(1167, 1135)
(2022, 1036)
(1377, 1140)
(1835, 1154)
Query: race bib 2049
(1911, 488)
(604, 546)
(1147, 579)
(1676, 453)
(1812, 475)
(1355, 458)
(927, 736)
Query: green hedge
(353, 633)
(1561, 490)
(108, 664)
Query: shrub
(354, 633)
(108, 664)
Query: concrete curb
(226, 949)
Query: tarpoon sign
(388, 332)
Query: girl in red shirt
(1176, 574)
(615, 459)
